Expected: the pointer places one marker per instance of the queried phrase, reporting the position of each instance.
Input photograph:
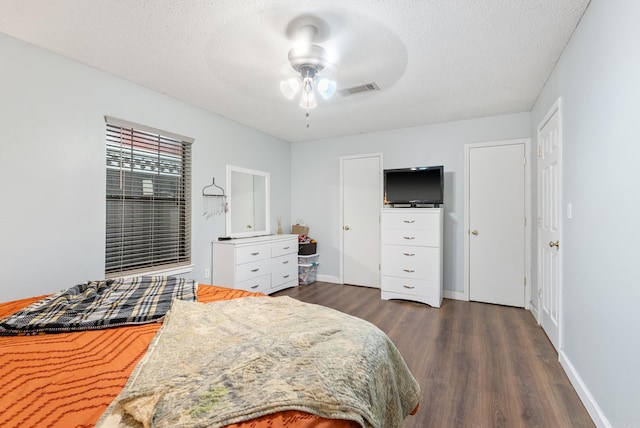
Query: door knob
(346, 228)
(554, 244)
(474, 232)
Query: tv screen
(421, 185)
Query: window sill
(172, 271)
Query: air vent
(354, 90)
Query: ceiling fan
(308, 59)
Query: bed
(95, 375)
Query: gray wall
(52, 168)
(315, 174)
(598, 78)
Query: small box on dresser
(261, 264)
(411, 255)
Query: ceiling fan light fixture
(326, 88)
(308, 60)
(307, 84)
(308, 100)
(290, 87)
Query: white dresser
(411, 256)
(262, 264)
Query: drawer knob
(409, 270)
(409, 237)
(285, 248)
(286, 276)
(255, 254)
(409, 221)
(255, 270)
(409, 254)
(255, 286)
(410, 287)
(285, 262)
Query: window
(148, 225)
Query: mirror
(248, 202)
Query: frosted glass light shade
(310, 97)
(290, 87)
(326, 88)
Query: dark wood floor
(478, 365)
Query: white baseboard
(328, 278)
(534, 310)
(585, 396)
(454, 295)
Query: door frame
(341, 225)
(527, 211)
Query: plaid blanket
(100, 304)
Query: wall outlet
(206, 273)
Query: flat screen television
(414, 186)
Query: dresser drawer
(282, 276)
(252, 270)
(410, 220)
(259, 284)
(406, 253)
(414, 270)
(252, 253)
(284, 261)
(415, 287)
(289, 246)
(420, 237)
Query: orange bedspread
(69, 379)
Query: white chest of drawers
(411, 255)
(262, 264)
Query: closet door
(496, 181)
(361, 203)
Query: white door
(549, 223)
(496, 220)
(361, 203)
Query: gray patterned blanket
(100, 304)
(231, 361)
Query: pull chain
(307, 115)
(308, 88)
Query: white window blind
(148, 225)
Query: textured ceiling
(434, 60)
